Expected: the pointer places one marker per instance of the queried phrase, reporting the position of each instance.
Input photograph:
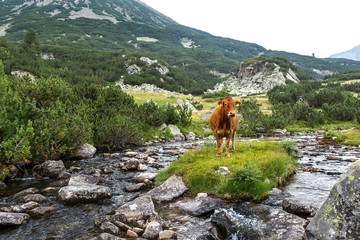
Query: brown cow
(224, 123)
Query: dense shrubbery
(50, 119)
(298, 102)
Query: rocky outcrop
(255, 78)
(175, 131)
(172, 188)
(338, 217)
(145, 87)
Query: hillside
(352, 54)
(196, 57)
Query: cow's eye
(225, 104)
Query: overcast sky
(323, 27)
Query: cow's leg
(227, 141)
(219, 141)
(233, 141)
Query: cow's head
(228, 106)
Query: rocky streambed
(112, 196)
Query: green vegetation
(49, 118)
(350, 138)
(256, 167)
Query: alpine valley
(103, 42)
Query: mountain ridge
(352, 54)
(132, 26)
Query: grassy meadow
(255, 166)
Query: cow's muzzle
(232, 114)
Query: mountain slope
(133, 27)
(352, 54)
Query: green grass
(256, 167)
(350, 138)
(298, 127)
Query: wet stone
(198, 206)
(41, 211)
(109, 227)
(131, 234)
(223, 222)
(25, 192)
(135, 187)
(34, 198)
(301, 207)
(20, 208)
(167, 234)
(141, 177)
(107, 236)
(152, 230)
(50, 168)
(169, 190)
(11, 219)
(78, 180)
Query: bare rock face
(86, 151)
(172, 188)
(255, 78)
(83, 193)
(9, 219)
(301, 207)
(338, 217)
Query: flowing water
(77, 221)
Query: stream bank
(321, 166)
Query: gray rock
(152, 230)
(284, 226)
(25, 192)
(172, 188)
(131, 234)
(50, 168)
(223, 171)
(175, 131)
(198, 206)
(20, 208)
(275, 192)
(109, 227)
(34, 198)
(41, 211)
(8, 219)
(141, 177)
(179, 101)
(79, 180)
(167, 234)
(132, 165)
(338, 217)
(190, 136)
(84, 193)
(139, 209)
(162, 127)
(107, 236)
(223, 222)
(86, 151)
(109, 218)
(300, 207)
(135, 187)
(2, 186)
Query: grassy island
(255, 167)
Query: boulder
(141, 177)
(50, 168)
(139, 209)
(84, 193)
(223, 171)
(172, 188)
(131, 165)
(283, 225)
(2, 186)
(152, 230)
(198, 206)
(175, 131)
(223, 222)
(9, 219)
(86, 151)
(79, 180)
(300, 207)
(338, 217)
(190, 136)
(131, 234)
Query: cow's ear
(220, 103)
(238, 103)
